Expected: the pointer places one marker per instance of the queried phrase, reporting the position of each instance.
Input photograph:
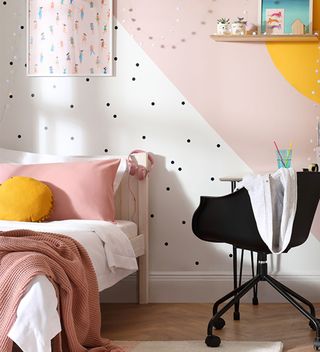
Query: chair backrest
(308, 198)
(230, 218)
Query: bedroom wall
(205, 109)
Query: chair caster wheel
(213, 341)
(255, 301)
(316, 345)
(219, 323)
(236, 315)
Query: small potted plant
(223, 26)
(238, 27)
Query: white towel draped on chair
(274, 202)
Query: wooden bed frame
(132, 204)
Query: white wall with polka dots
(137, 108)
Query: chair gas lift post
(211, 223)
(236, 314)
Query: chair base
(235, 295)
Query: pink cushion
(81, 190)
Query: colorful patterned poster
(69, 38)
(275, 21)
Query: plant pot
(238, 28)
(223, 28)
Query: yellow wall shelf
(266, 38)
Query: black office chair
(230, 219)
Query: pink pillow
(81, 190)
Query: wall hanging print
(69, 38)
(285, 16)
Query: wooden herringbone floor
(265, 322)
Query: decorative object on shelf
(251, 28)
(297, 27)
(69, 38)
(280, 17)
(238, 27)
(223, 26)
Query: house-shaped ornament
(297, 27)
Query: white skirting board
(186, 287)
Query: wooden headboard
(132, 204)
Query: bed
(121, 246)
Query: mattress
(109, 245)
(128, 227)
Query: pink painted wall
(235, 87)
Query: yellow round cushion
(25, 199)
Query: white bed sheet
(113, 258)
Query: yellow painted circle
(299, 63)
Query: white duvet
(113, 259)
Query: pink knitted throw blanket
(25, 254)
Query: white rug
(200, 346)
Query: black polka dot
(212, 178)
(32, 95)
(115, 58)
(115, 116)
(144, 137)
(106, 150)
(115, 27)
(179, 169)
(25, 65)
(10, 96)
(168, 189)
(183, 222)
(108, 104)
(137, 64)
(173, 47)
(138, 29)
(196, 263)
(4, 3)
(183, 103)
(19, 136)
(130, 10)
(193, 33)
(87, 79)
(45, 128)
(133, 78)
(152, 216)
(72, 138)
(188, 140)
(21, 27)
(218, 145)
(172, 162)
(162, 46)
(71, 106)
(166, 243)
(230, 255)
(153, 103)
(11, 63)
